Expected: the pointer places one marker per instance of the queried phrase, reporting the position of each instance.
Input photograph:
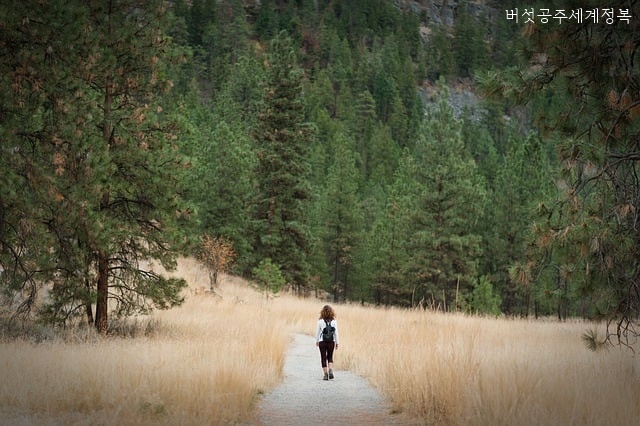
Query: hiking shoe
(330, 373)
(326, 377)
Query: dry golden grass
(208, 360)
(206, 364)
(460, 370)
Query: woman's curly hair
(327, 313)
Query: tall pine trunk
(103, 291)
(102, 298)
(88, 308)
(103, 259)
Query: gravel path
(305, 399)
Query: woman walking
(327, 339)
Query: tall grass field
(209, 361)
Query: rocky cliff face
(444, 12)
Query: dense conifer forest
(372, 151)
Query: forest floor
(304, 398)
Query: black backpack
(327, 333)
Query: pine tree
(590, 232)
(95, 156)
(439, 57)
(224, 39)
(363, 125)
(25, 154)
(399, 122)
(201, 14)
(222, 187)
(444, 242)
(387, 252)
(523, 180)
(469, 44)
(283, 143)
(384, 90)
(343, 220)
(221, 181)
(385, 155)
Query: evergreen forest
(365, 151)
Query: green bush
(484, 300)
(269, 276)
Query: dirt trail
(303, 398)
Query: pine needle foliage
(589, 233)
(86, 139)
(282, 145)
